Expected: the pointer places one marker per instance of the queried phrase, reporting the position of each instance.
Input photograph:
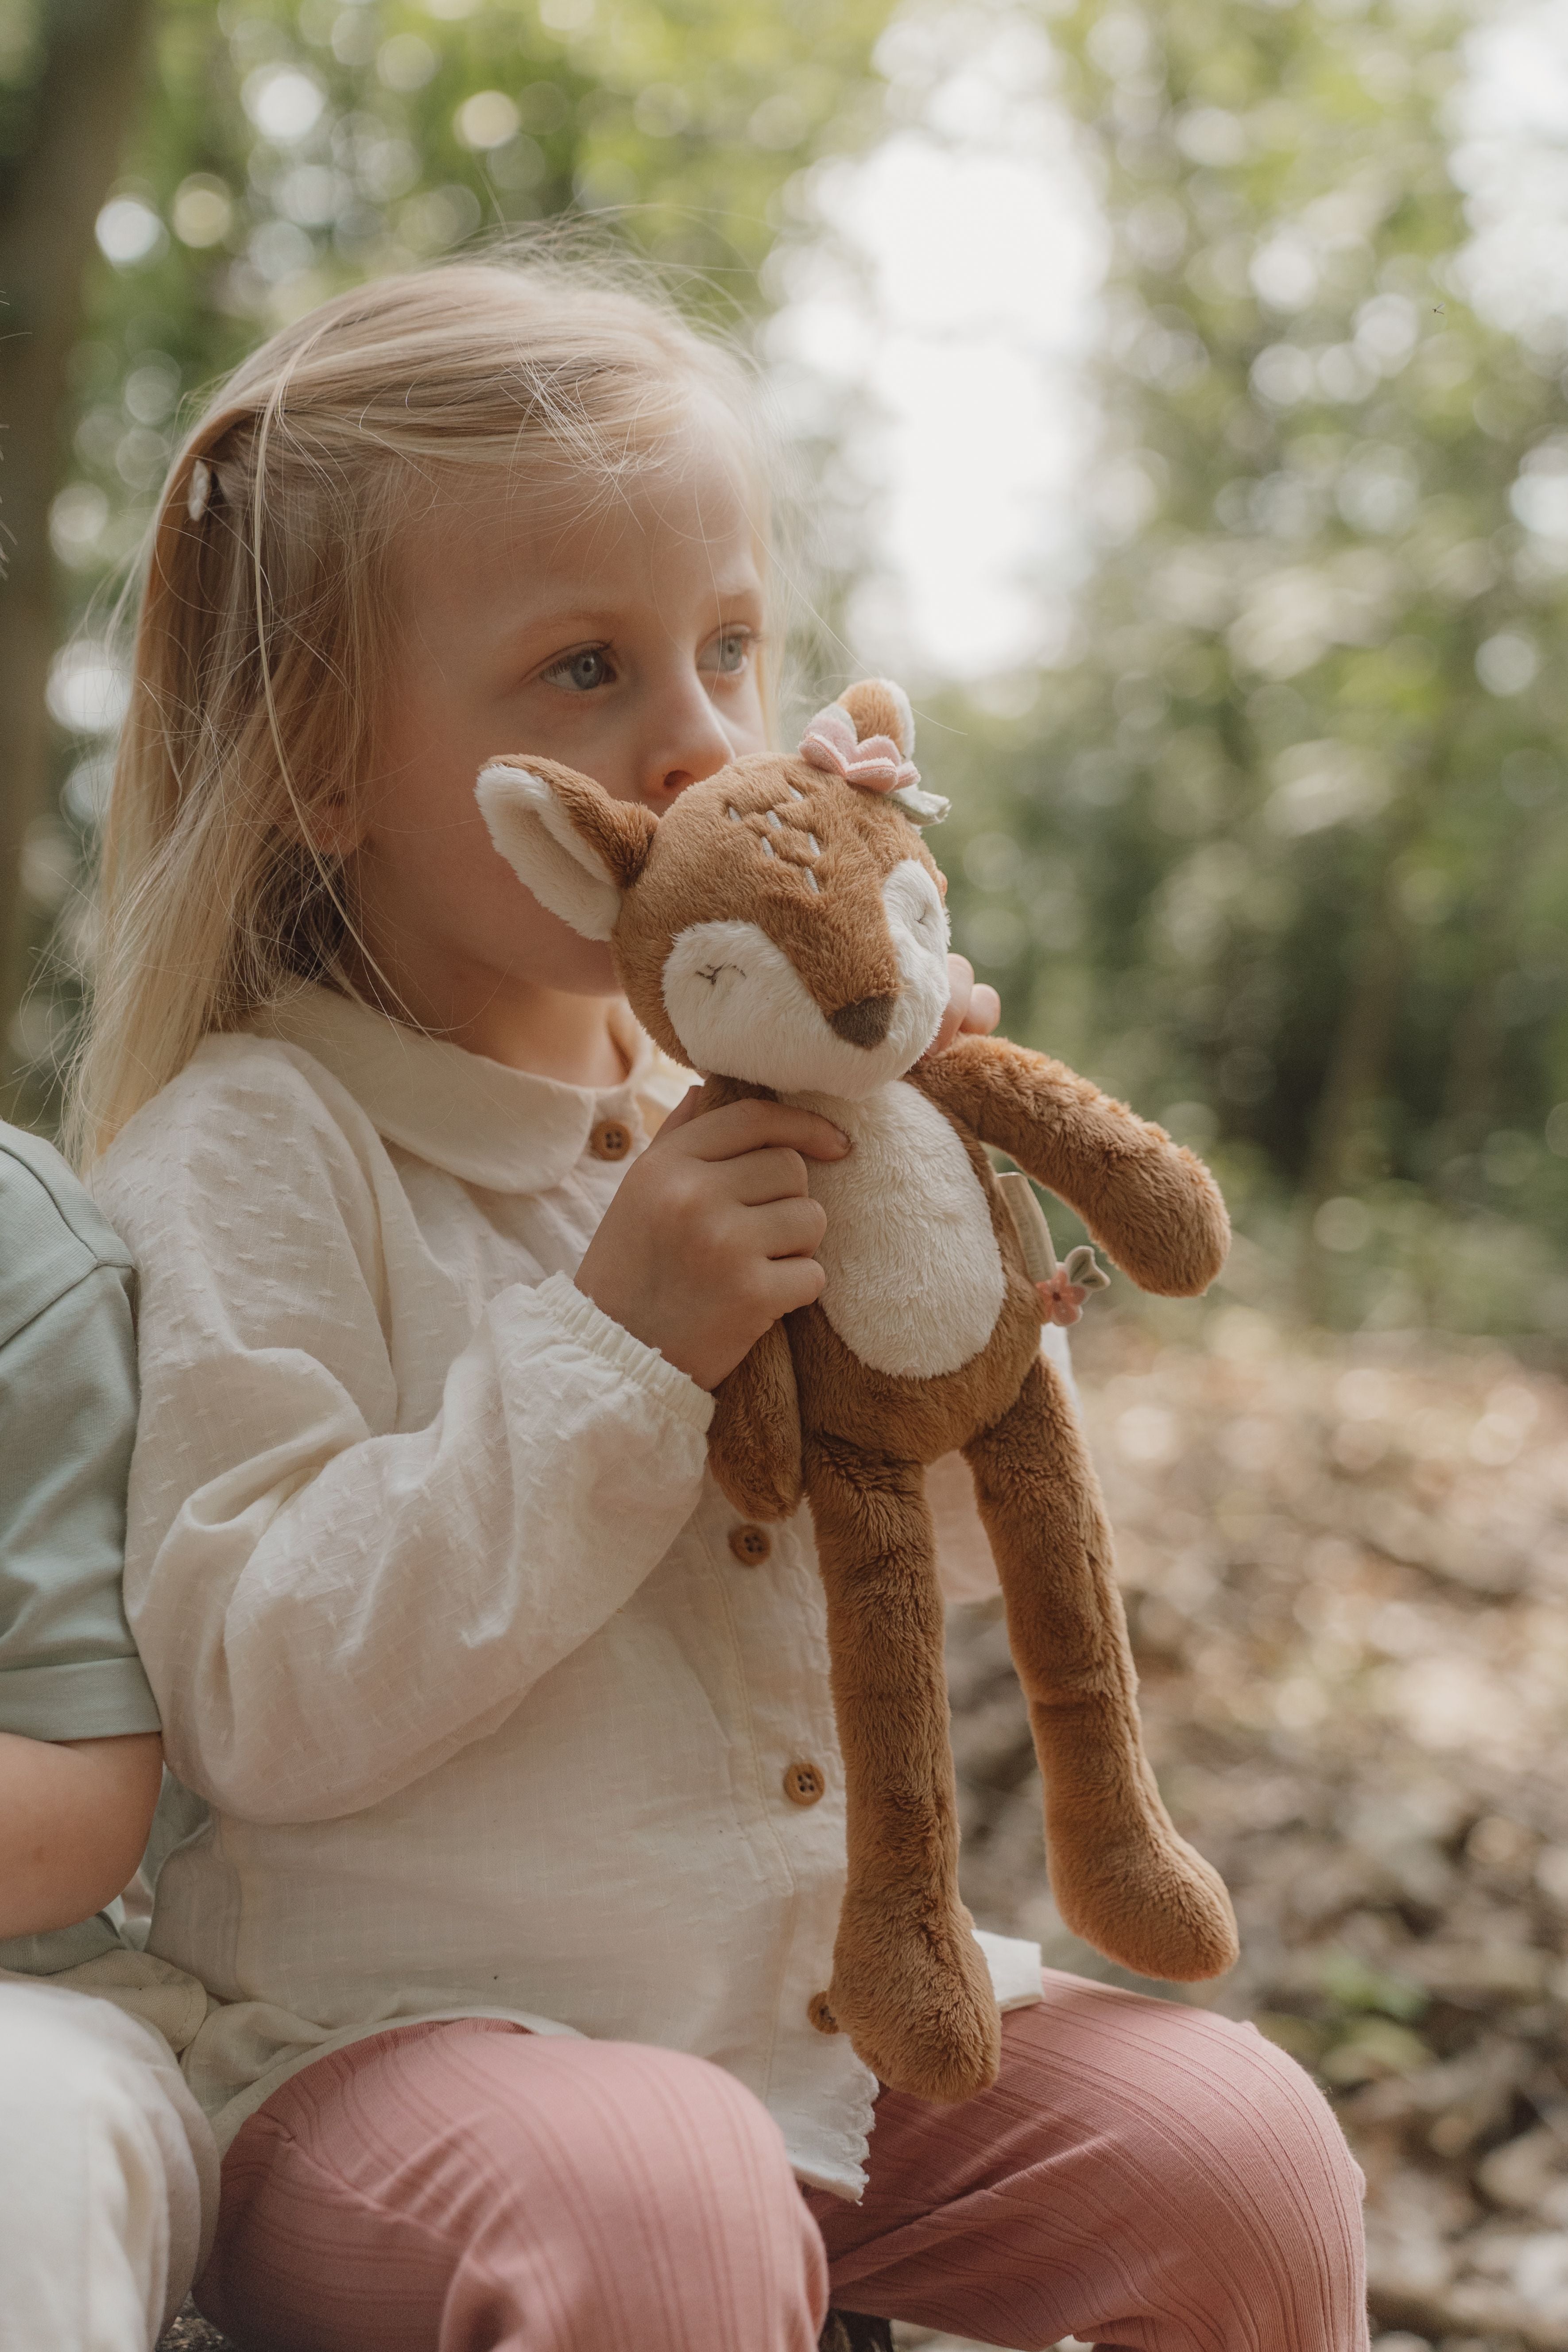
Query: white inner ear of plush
(741, 1011)
(546, 852)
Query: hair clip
(199, 489)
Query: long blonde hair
(265, 616)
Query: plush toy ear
(565, 839)
(877, 707)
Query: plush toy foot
(910, 1987)
(1123, 1880)
(918, 2007)
(1165, 1914)
(1135, 1889)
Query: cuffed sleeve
(583, 1321)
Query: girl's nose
(694, 746)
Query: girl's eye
(580, 673)
(727, 655)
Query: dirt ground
(1346, 1568)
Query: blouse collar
(505, 1130)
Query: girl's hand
(971, 1007)
(710, 1238)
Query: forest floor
(1345, 1563)
(1346, 1569)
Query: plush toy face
(781, 924)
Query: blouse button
(611, 1140)
(804, 1784)
(750, 1544)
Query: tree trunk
(51, 187)
(1358, 1064)
(1472, 1082)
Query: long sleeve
(369, 1509)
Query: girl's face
(619, 634)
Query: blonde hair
(266, 614)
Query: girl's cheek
(544, 951)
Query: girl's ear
(566, 840)
(334, 827)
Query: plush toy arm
(1150, 1203)
(753, 1438)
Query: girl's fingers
(973, 1007)
(759, 1176)
(984, 1011)
(791, 1281)
(684, 1110)
(788, 1228)
(960, 989)
(760, 1127)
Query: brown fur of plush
(1152, 1205)
(701, 856)
(805, 1414)
(878, 708)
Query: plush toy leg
(753, 1439)
(1122, 1878)
(909, 1986)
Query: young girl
(515, 1891)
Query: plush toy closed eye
(781, 931)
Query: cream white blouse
(496, 1708)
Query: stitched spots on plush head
(779, 832)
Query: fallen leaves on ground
(1345, 1563)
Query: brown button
(751, 1544)
(611, 1140)
(804, 1784)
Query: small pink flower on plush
(877, 765)
(1061, 1301)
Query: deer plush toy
(781, 930)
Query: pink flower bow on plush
(877, 765)
(1064, 1291)
(1061, 1301)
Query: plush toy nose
(864, 1023)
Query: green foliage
(289, 149)
(1285, 845)
(1351, 1983)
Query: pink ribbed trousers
(1141, 2176)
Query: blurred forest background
(1262, 817)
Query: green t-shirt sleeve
(69, 1668)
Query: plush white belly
(914, 1276)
